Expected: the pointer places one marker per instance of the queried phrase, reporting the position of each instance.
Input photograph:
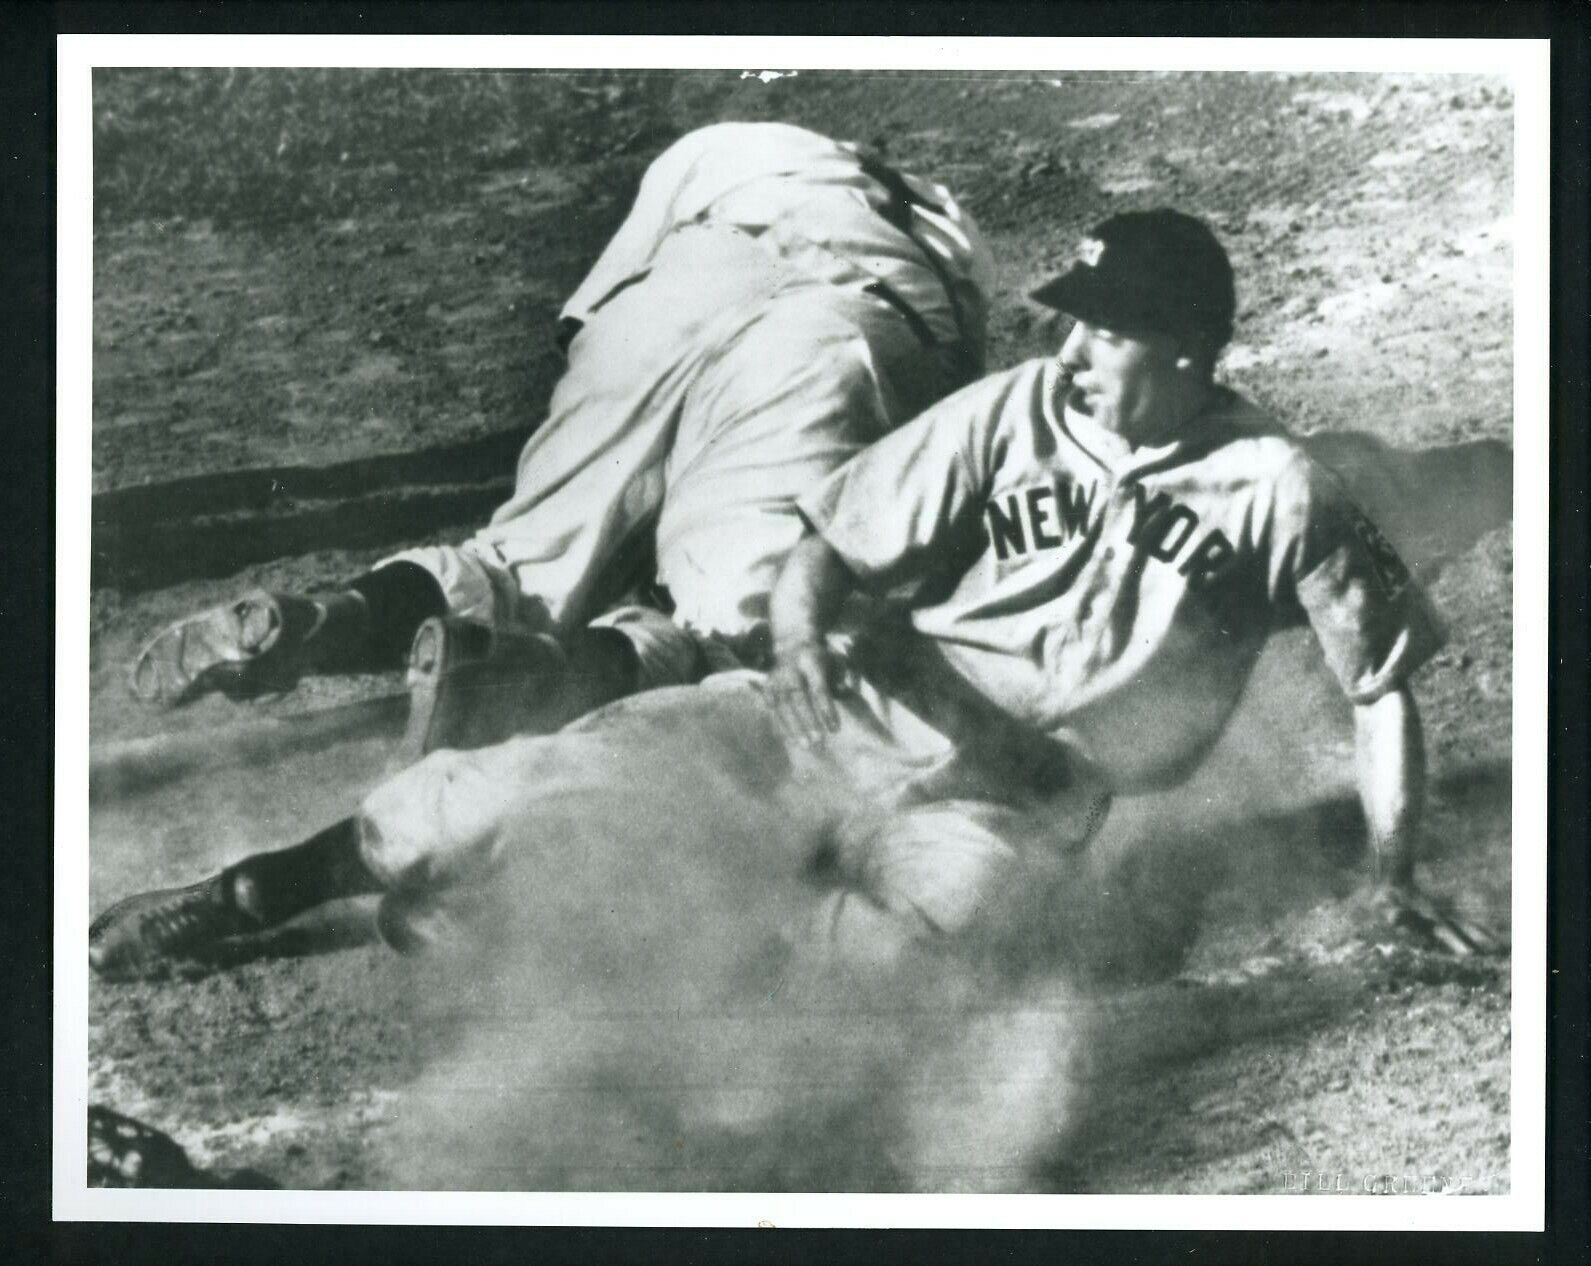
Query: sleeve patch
(1388, 568)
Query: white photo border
(1526, 65)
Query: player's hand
(1430, 922)
(801, 690)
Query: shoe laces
(188, 919)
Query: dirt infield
(322, 308)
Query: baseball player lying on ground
(773, 302)
(1085, 557)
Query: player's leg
(697, 762)
(668, 783)
(472, 685)
(821, 373)
(577, 531)
(169, 929)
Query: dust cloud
(644, 1018)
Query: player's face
(1132, 384)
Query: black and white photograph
(897, 621)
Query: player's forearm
(1390, 762)
(809, 593)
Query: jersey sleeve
(901, 501)
(1374, 623)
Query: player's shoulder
(1246, 437)
(1251, 445)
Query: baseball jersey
(1118, 597)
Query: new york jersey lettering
(1045, 517)
(1164, 529)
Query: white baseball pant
(919, 840)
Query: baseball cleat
(165, 932)
(471, 685)
(254, 645)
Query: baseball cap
(1155, 270)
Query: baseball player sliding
(774, 301)
(1082, 558)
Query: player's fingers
(1420, 927)
(774, 693)
(1482, 938)
(820, 691)
(1448, 936)
(786, 696)
(1449, 930)
(809, 684)
(809, 729)
(781, 714)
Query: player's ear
(1195, 356)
